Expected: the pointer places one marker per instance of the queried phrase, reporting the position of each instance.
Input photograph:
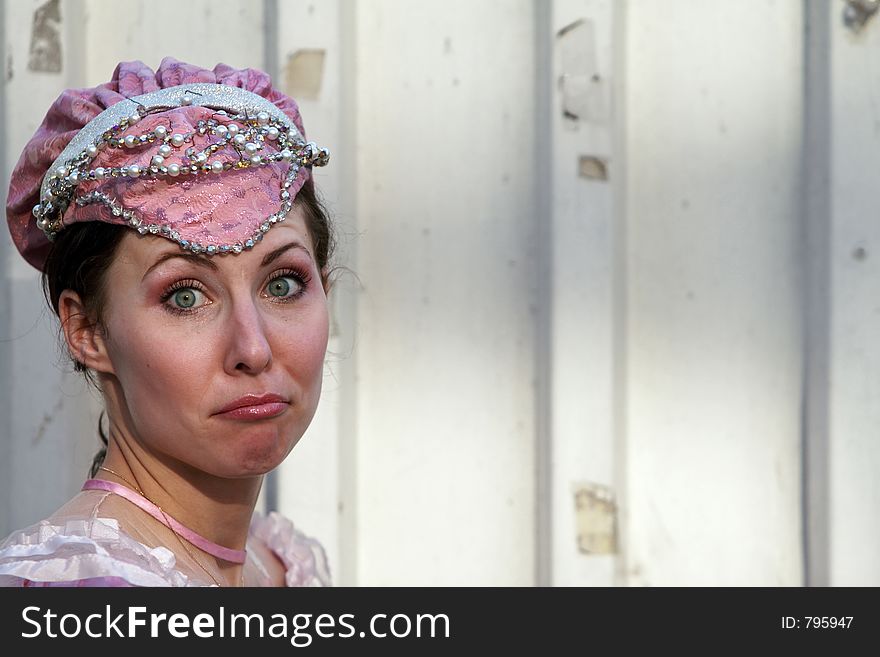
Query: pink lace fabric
(208, 209)
(88, 550)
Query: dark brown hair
(82, 253)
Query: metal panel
(714, 311)
(52, 433)
(586, 176)
(309, 480)
(853, 450)
(446, 210)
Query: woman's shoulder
(303, 557)
(83, 550)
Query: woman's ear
(84, 335)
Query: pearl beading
(258, 121)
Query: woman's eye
(283, 286)
(186, 297)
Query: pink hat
(208, 159)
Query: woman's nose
(248, 344)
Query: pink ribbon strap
(227, 554)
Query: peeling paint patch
(586, 91)
(596, 514)
(592, 168)
(45, 48)
(304, 73)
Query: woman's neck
(219, 509)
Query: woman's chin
(256, 453)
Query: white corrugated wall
(578, 230)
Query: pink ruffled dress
(90, 542)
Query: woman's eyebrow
(202, 261)
(272, 255)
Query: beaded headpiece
(209, 165)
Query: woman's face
(188, 335)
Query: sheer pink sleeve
(303, 557)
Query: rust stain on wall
(45, 49)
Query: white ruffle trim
(303, 557)
(80, 550)
(85, 549)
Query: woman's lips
(256, 412)
(254, 407)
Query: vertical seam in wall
(816, 277)
(74, 55)
(270, 40)
(543, 183)
(348, 462)
(619, 292)
(270, 66)
(6, 321)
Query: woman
(184, 251)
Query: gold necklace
(168, 524)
